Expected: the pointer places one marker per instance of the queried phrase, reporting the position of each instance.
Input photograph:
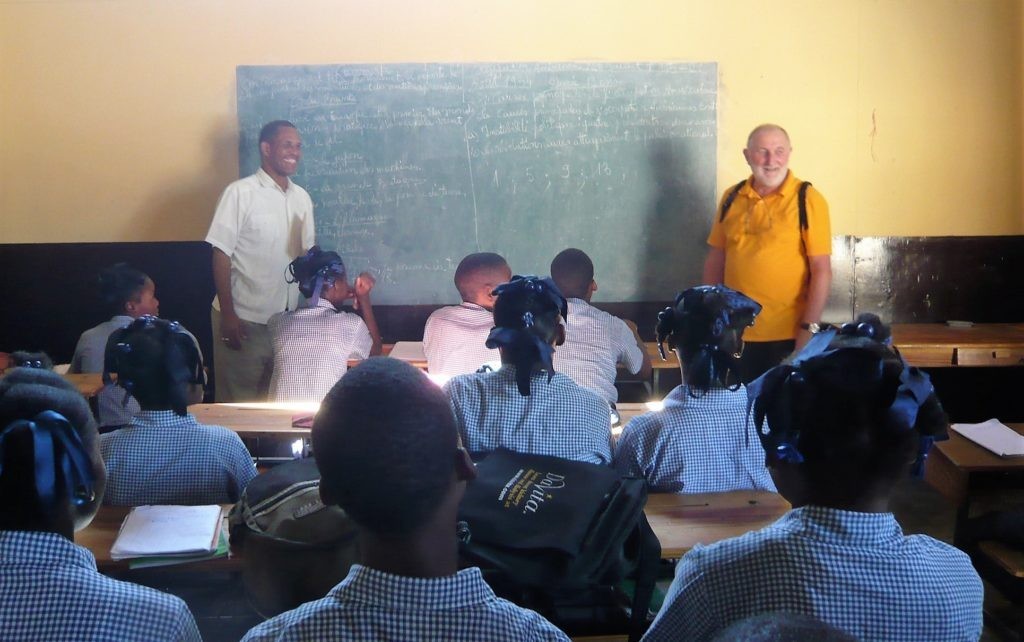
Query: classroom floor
(223, 614)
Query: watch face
(814, 328)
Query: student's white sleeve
(630, 355)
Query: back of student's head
(315, 270)
(157, 362)
(706, 325)
(848, 411)
(528, 317)
(573, 272)
(119, 284)
(26, 359)
(477, 269)
(50, 453)
(385, 443)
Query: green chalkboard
(413, 166)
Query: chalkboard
(413, 166)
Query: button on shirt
(162, 458)
(51, 591)
(595, 344)
(312, 347)
(454, 339)
(855, 571)
(559, 418)
(262, 228)
(695, 445)
(373, 605)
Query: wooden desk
(683, 521)
(937, 345)
(254, 419)
(409, 351)
(958, 466)
(89, 384)
(99, 537)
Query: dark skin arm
(231, 331)
(364, 284)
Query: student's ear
(194, 393)
(560, 335)
(465, 469)
(592, 288)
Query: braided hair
(119, 284)
(527, 316)
(156, 361)
(847, 407)
(706, 325)
(314, 270)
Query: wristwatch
(813, 327)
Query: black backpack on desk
(546, 526)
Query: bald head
(767, 153)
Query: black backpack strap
(727, 203)
(802, 204)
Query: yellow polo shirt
(763, 256)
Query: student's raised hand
(364, 284)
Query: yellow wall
(118, 116)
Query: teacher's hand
(232, 332)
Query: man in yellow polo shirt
(760, 247)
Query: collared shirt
(51, 591)
(764, 258)
(559, 418)
(854, 571)
(373, 605)
(312, 347)
(162, 458)
(595, 344)
(695, 445)
(262, 228)
(113, 409)
(454, 339)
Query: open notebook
(991, 434)
(168, 531)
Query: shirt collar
(266, 180)
(43, 549)
(370, 586)
(850, 528)
(474, 306)
(162, 418)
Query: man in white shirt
(595, 341)
(262, 222)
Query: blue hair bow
(55, 440)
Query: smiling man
(262, 222)
(764, 247)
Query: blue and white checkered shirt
(112, 407)
(312, 347)
(162, 458)
(51, 591)
(559, 418)
(695, 445)
(454, 339)
(595, 344)
(854, 571)
(372, 605)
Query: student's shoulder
(305, 622)
(514, 622)
(146, 609)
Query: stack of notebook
(163, 535)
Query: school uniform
(854, 571)
(51, 591)
(695, 445)
(372, 605)
(455, 337)
(162, 458)
(596, 343)
(312, 346)
(112, 407)
(559, 418)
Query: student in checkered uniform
(454, 338)
(845, 421)
(312, 345)
(51, 482)
(701, 442)
(596, 343)
(165, 456)
(388, 454)
(526, 406)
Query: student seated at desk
(596, 343)
(845, 422)
(701, 442)
(127, 294)
(312, 345)
(454, 337)
(165, 456)
(526, 406)
(51, 482)
(388, 454)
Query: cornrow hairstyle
(472, 265)
(155, 361)
(47, 434)
(23, 359)
(526, 320)
(573, 272)
(384, 441)
(313, 270)
(706, 324)
(269, 131)
(119, 284)
(847, 405)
